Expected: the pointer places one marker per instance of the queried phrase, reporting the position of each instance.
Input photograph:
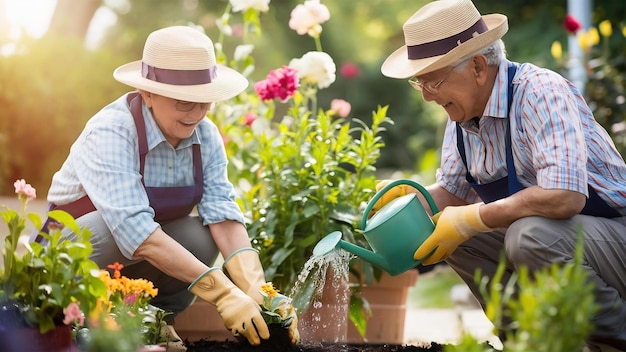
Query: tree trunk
(71, 18)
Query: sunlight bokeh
(31, 17)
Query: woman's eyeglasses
(186, 106)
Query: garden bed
(204, 345)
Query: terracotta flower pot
(387, 299)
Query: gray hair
(494, 54)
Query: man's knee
(528, 242)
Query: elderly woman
(145, 161)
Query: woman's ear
(147, 98)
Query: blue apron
(509, 184)
(169, 203)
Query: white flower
(309, 16)
(243, 51)
(315, 67)
(243, 5)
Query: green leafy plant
(547, 310)
(276, 307)
(302, 171)
(38, 286)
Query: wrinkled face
(177, 119)
(459, 89)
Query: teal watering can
(394, 232)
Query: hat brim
(398, 65)
(228, 84)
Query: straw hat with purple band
(440, 33)
(179, 62)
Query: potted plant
(50, 294)
(46, 287)
(302, 171)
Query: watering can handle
(390, 185)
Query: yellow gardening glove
(241, 314)
(245, 270)
(453, 226)
(393, 193)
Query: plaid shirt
(104, 163)
(556, 142)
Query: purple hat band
(443, 46)
(178, 77)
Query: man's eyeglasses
(186, 106)
(432, 88)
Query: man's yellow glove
(453, 226)
(241, 314)
(245, 270)
(393, 193)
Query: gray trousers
(173, 295)
(537, 242)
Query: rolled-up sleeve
(218, 199)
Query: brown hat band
(178, 77)
(443, 46)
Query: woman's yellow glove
(393, 193)
(453, 226)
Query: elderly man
(524, 163)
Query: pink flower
(281, 83)
(571, 24)
(250, 118)
(72, 313)
(131, 299)
(308, 16)
(349, 70)
(24, 189)
(341, 107)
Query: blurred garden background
(54, 80)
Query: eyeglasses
(432, 88)
(186, 106)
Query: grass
(432, 289)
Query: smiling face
(177, 119)
(462, 90)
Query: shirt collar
(497, 106)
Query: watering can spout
(333, 241)
(367, 255)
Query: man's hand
(393, 193)
(453, 226)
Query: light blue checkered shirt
(556, 142)
(104, 163)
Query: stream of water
(330, 276)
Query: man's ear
(479, 68)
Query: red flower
(571, 24)
(349, 70)
(280, 83)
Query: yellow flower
(594, 36)
(556, 49)
(605, 28)
(268, 288)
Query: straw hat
(440, 33)
(179, 62)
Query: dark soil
(223, 346)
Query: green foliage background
(53, 85)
